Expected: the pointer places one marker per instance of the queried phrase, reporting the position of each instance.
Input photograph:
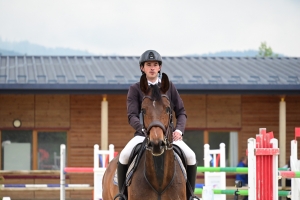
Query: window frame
(206, 139)
(35, 143)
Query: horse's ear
(144, 84)
(165, 84)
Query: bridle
(156, 123)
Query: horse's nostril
(159, 143)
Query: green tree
(265, 51)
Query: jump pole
(98, 171)
(244, 170)
(263, 173)
(295, 165)
(62, 173)
(215, 179)
(282, 193)
(262, 151)
(262, 166)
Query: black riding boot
(122, 169)
(191, 172)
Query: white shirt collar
(153, 83)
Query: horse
(158, 174)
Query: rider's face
(151, 69)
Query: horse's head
(157, 114)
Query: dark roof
(114, 74)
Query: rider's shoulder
(172, 86)
(171, 83)
(135, 85)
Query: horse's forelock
(155, 95)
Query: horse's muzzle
(157, 148)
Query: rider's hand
(177, 136)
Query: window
(49, 149)
(31, 150)
(16, 150)
(195, 139)
(216, 138)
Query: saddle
(133, 161)
(136, 155)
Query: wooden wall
(85, 129)
(119, 130)
(35, 111)
(195, 107)
(80, 116)
(52, 111)
(213, 111)
(16, 107)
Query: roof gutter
(123, 89)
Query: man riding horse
(150, 64)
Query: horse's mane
(155, 95)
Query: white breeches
(125, 153)
(189, 153)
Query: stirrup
(194, 197)
(120, 195)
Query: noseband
(157, 123)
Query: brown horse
(158, 175)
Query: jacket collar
(154, 83)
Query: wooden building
(81, 101)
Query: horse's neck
(159, 170)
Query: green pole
(217, 191)
(240, 170)
(281, 193)
(284, 169)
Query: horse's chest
(154, 181)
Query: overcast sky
(172, 27)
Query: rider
(150, 64)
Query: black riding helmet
(150, 55)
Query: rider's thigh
(189, 153)
(125, 153)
